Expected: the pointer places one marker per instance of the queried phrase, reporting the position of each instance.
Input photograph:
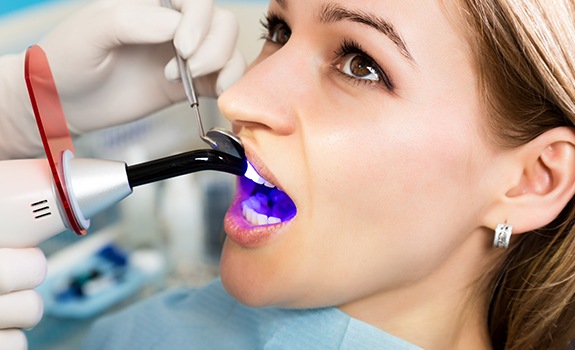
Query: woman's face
(365, 113)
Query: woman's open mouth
(265, 203)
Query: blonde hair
(524, 51)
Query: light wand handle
(185, 163)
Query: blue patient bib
(209, 318)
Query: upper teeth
(252, 174)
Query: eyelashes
(351, 61)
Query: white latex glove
(21, 307)
(108, 59)
(110, 64)
(19, 135)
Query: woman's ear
(544, 184)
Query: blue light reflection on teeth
(253, 175)
(267, 201)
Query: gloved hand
(108, 60)
(21, 270)
(110, 64)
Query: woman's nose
(267, 95)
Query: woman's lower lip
(241, 232)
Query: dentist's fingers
(139, 24)
(21, 269)
(231, 72)
(13, 339)
(214, 52)
(21, 309)
(213, 85)
(194, 26)
(218, 46)
(172, 71)
(113, 24)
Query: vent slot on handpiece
(41, 209)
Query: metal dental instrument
(218, 138)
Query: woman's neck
(444, 310)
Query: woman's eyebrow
(332, 12)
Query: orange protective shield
(51, 124)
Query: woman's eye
(276, 30)
(280, 34)
(353, 63)
(360, 67)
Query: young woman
(408, 141)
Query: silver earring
(502, 236)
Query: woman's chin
(244, 278)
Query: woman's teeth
(266, 204)
(253, 175)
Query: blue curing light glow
(266, 200)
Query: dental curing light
(40, 198)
